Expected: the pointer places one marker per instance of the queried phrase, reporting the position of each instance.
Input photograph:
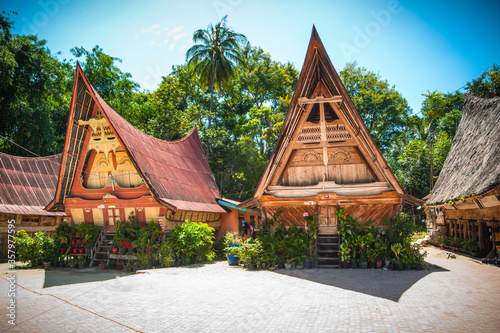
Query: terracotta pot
(63, 251)
(379, 264)
(119, 266)
(102, 266)
(74, 250)
(114, 250)
(81, 250)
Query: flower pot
(363, 264)
(114, 250)
(407, 267)
(75, 250)
(345, 264)
(371, 264)
(308, 263)
(122, 250)
(128, 269)
(119, 266)
(62, 264)
(63, 251)
(231, 259)
(288, 266)
(251, 266)
(46, 264)
(354, 263)
(379, 264)
(300, 267)
(87, 251)
(81, 250)
(398, 267)
(387, 263)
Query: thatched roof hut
(473, 163)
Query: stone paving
(455, 295)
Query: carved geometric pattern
(310, 134)
(337, 133)
(342, 155)
(311, 157)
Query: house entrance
(327, 220)
(113, 215)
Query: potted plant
(311, 227)
(119, 264)
(372, 256)
(396, 249)
(102, 265)
(345, 254)
(82, 262)
(73, 262)
(232, 241)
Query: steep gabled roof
(473, 162)
(176, 172)
(28, 184)
(318, 68)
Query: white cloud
(159, 32)
(175, 31)
(153, 42)
(179, 36)
(165, 41)
(155, 26)
(171, 47)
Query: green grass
(418, 235)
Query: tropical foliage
(236, 95)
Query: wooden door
(327, 219)
(113, 215)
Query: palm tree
(216, 52)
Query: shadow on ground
(375, 282)
(64, 276)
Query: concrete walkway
(456, 295)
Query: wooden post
(481, 235)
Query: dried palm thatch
(473, 162)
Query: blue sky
(418, 46)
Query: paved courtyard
(455, 295)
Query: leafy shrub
(192, 242)
(34, 250)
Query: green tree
(215, 54)
(114, 86)
(35, 90)
(488, 84)
(384, 111)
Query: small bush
(34, 250)
(192, 242)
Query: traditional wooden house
(27, 185)
(465, 203)
(325, 158)
(111, 169)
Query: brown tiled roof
(176, 172)
(27, 184)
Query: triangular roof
(176, 172)
(318, 68)
(28, 184)
(473, 162)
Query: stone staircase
(102, 249)
(327, 251)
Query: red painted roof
(28, 184)
(176, 172)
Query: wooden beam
(320, 99)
